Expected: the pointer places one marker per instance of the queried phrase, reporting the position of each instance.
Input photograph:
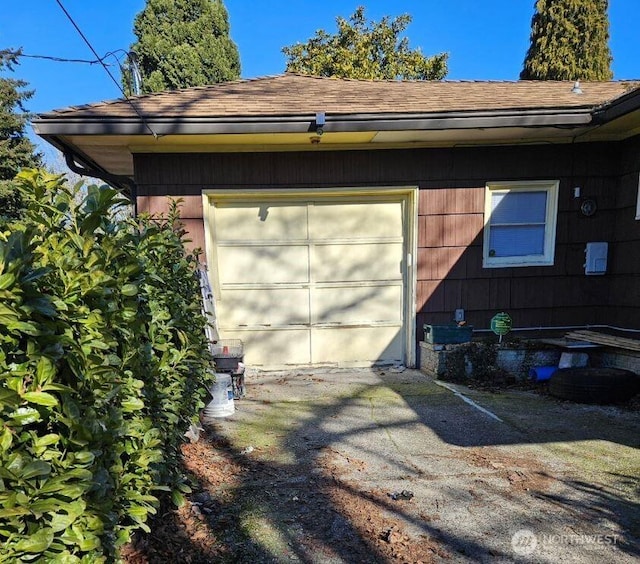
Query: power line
(18, 54)
(131, 56)
(105, 67)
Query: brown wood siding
(180, 175)
(625, 255)
(451, 217)
(190, 215)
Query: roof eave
(53, 125)
(626, 104)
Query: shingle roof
(293, 94)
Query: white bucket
(221, 404)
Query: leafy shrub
(474, 362)
(103, 364)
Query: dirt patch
(370, 512)
(304, 516)
(523, 474)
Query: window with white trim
(520, 223)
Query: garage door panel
(312, 281)
(337, 221)
(357, 305)
(275, 307)
(261, 222)
(273, 348)
(357, 262)
(357, 345)
(264, 264)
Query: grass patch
(256, 525)
(271, 427)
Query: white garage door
(319, 282)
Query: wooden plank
(570, 345)
(604, 339)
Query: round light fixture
(588, 207)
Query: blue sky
(485, 40)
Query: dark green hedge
(103, 365)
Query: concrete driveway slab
(482, 490)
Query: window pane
(518, 207)
(516, 241)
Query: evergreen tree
(182, 43)
(365, 50)
(16, 150)
(569, 41)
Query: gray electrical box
(596, 258)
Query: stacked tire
(594, 385)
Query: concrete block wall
(432, 359)
(612, 358)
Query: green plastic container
(447, 334)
